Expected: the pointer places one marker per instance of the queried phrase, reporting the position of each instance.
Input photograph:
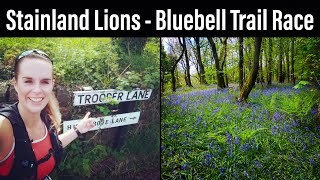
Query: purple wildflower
(237, 141)
(277, 116)
(208, 157)
(163, 148)
(314, 111)
(229, 138)
(185, 166)
(311, 161)
(246, 147)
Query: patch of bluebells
(287, 127)
(245, 147)
(278, 116)
(314, 111)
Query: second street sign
(97, 96)
(107, 121)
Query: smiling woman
(30, 147)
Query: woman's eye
(45, 82)
(28, 81)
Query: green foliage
(249, 134)
(128, 81)
(104, 109)
(95, 65)
(143, 143)
(91, 61)
(107, 101)
(301, 84)
(80, 156)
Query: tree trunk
(188, 80)
(280, 75)
(244, 75)
(220, 75)
(227, 83)
(173, 80)
(201, 67)
(270, 62)
(318, 115)
(175, 65)
(287, 64)
(293, 80)
(161, 68)
(260, 70)
(245, 91)
(224, 60)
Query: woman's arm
(84, 126)
(6, 137)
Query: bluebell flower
(237, 140)
(185, 166)
(163, 148)
(314, 111)
(208, 157)
(277, 116)
(311, 161)
(184, 143)
(211, 144)
(246, 147)
(229, 138)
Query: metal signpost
(98, 97)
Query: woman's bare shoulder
(6, 137)
(5, 126)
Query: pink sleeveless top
(41, 148)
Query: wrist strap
(77, 131)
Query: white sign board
(107, 121)
(97, 96)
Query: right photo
(240, 107)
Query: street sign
(107, 121)
(97, 96)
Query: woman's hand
(85, 124)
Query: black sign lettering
(120, 96)
(81, 97)
(88, 96)
(109, 95)
(146, 95)
(135, 95)
(101, 97)
(95, 98)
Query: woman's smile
(35, 99)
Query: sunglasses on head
(35, 51)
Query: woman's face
(34, 84)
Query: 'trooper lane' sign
(107, 121)
(97, 96)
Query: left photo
(80, 108)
